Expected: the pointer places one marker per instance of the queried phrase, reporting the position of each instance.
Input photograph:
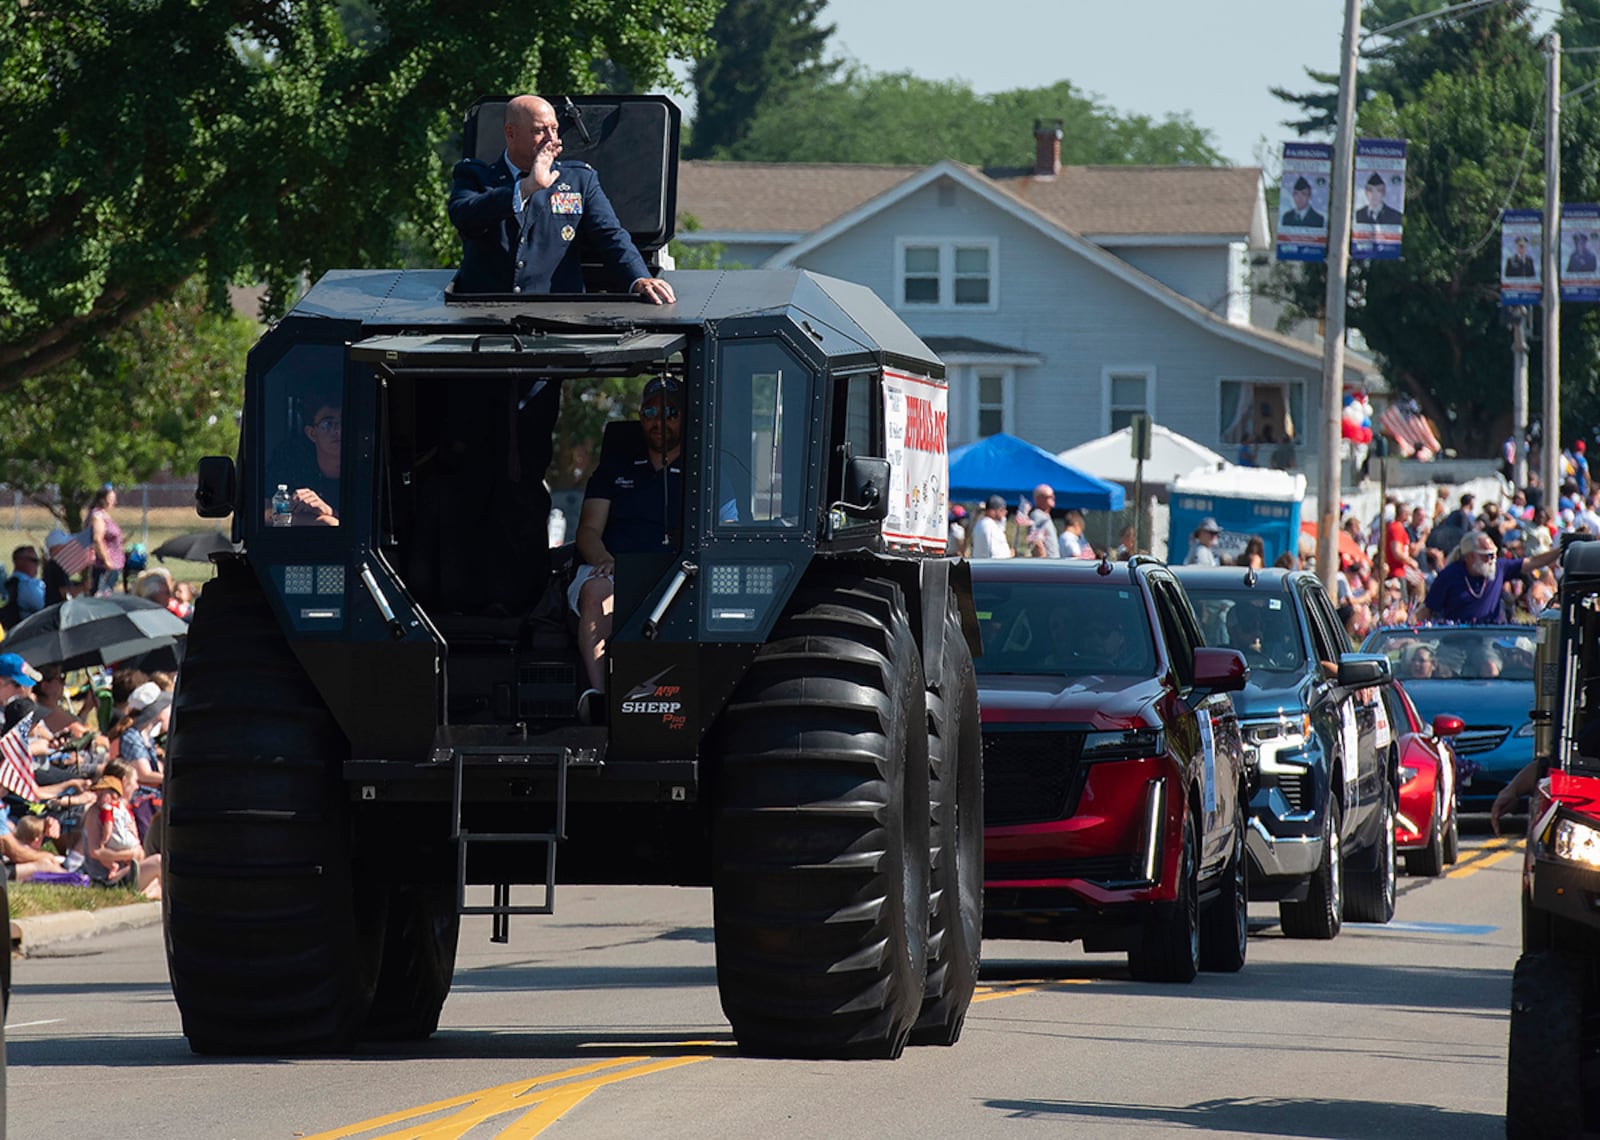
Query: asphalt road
(603, 1022)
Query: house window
(947, 274)
(972, 275)
(1267, 414)
(1128, 392)
(922, 275)
(991, 403)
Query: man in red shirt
(1397, 553)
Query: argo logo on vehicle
(652, 698)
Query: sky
(1214, 60)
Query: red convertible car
(1426, 829)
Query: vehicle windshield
(1262, 626)
(1063, 629)
(1457, 653)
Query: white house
(1063, 299)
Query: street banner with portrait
(1303, 202)
(1521, 246)
(1580, 250)
(1379, 195)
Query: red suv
(1114, 800)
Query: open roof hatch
(631, 140)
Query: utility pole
(1550, 467)
(1519, 394)
(1328, 468)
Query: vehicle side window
(1175, 629)
(1322, 624)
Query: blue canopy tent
(1005, 465)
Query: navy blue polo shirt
(642, 509)
(646, 502)
(1457, 596)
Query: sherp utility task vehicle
(1553, 1078)
(375, 714)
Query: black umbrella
(94, 630)
(196, 546)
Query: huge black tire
(270, 945)
(1321, 913)
(1169, 949)
(419, 960)
(820, 885)
(1225, 923)
(1370, 888)
(1428, 862)
(955, 765)
(1550, 991)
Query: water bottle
(282, 512)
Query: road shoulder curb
(30, 935)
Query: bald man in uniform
(526, 219)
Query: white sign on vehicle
(1380, 724)
(914, 412)
(1349, 739)
(1208, 769)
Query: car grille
(1029, 777)
(1480, 738)
(1101, 868)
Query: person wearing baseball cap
(1202, 544)
(989, 532)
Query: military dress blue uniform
(544, 254)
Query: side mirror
(866, 487)
(1220, 670)
(1446, 725)
(216, 488)
(1364, 670)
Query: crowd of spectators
(1454, 556)
(95, 738)
(96, 742)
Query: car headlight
(1260, 731)
(1407, 773)
(1577, 843)
(1525, 730)
(1134, 744)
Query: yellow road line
(1490, 856)
(991, 993)
(538, 1111)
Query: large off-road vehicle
(1553, 1078)
(375, 714)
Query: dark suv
(1113, 766)
(1317, 743)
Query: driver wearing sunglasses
(633, 504)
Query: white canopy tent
(1172, 456)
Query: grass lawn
(31, 899)
(27, 525)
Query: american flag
(16, 766)
(74, 555)
(1404, 423)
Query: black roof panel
(840, 318)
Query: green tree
(1467, 93)
(154, 396)
(869, 117)
(150, 141)
(760, 51)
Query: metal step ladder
(501, 910)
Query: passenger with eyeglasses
(311, 469)
(633, 504)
